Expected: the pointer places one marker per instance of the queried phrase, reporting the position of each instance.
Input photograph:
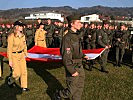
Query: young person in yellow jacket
(40, 38)
(17, 51)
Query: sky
(10, 4)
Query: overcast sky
(9, 4)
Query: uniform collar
(19, 36)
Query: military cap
(73, 17)
(41, 24)
(19, 23)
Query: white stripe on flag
(32, 55)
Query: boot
(57, 96)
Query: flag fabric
(38, 53)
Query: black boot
(119, 64)
(57, 96)
(90, 68)
(1, 78)
(103, 70)
(11, 82)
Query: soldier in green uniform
(131, 46)
(91, 37)
(49, 35)
(71, 51)
(90, 43)
(58, 34)
(120, 44)
(4, 36)
(0, 35)
(102, 42)
(29, 35)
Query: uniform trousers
(19, 68)
(75, 85)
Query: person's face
(19, 28)
(86, 25)
(49, 21)
(76, 24)
(41, 26)
(39, 20)
(99, 26)
(92, 26)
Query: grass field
(45, 78)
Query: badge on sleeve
(100, 36)
(68, 50)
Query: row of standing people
(50, 35)
(71, 52)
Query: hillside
(66, 10)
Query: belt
(40, 40)
(18, 52)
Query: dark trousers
(132, 55)
(119, 54)
(75, 86)
(49, 41)
(103, 59)
(4, 41)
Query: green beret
(73, 17)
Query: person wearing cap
(40, 39)
(102, 42)
(71, 51)
(17, 51)
(120, 38)
(49, 27)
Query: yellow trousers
(41, 43)
(19, 68)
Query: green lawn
(45, 78)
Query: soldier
(0, 35)
(131, 46)
(50, 30)
(102, 42)
(57, 35)
(120, 44)
(29, 35)
(4, 36)
(91, 37)
(71, 51)
(90, 43)
(40, 36)
(17, 50)
(38, 23)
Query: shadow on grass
(50, 80)
(7, 93)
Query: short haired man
(72, 55)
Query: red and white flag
(38, 53)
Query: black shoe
(90, 68)
(119, 65)
(10, 83)
(116, 65)
(25, 90)
(1, 78)
(57, 96)
(105, 71)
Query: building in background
(90, 18)
(46, 15)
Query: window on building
(87, 18)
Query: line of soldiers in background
(117, 36)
